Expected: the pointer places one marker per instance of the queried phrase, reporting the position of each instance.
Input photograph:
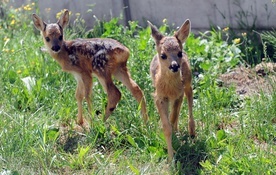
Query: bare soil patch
(251, 81)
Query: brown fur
(171, 76)
(83, 58)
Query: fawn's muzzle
(174, 66)
(55, 48)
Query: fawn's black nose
(55, 48)
(174, 66)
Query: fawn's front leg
(175, 110)
(113, 94)
(87, 81)
(79, 96)
(83, 90)
(162, 107)
(189, 94)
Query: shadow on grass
(69, 138)
(190, 152)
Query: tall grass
(37, 111)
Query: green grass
(37, 135)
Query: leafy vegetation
(37, 110)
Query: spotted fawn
(103, 58)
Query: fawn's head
(52, 33)
(169, 48)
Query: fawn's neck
(169, 84)
(167, 74)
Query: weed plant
(37, 110)
(269, 42)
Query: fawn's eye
(60, 37)
(180, 54)
(47, 39)
(163, 56)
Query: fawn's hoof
(83, 125)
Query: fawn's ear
(64, 19)
(157, 36)
(183, 33)
(38, 23)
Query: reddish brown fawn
(83, 58)
(171, 75)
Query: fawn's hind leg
(123, 75)
(189, 94)
(113, 94)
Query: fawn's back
(93, 55)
